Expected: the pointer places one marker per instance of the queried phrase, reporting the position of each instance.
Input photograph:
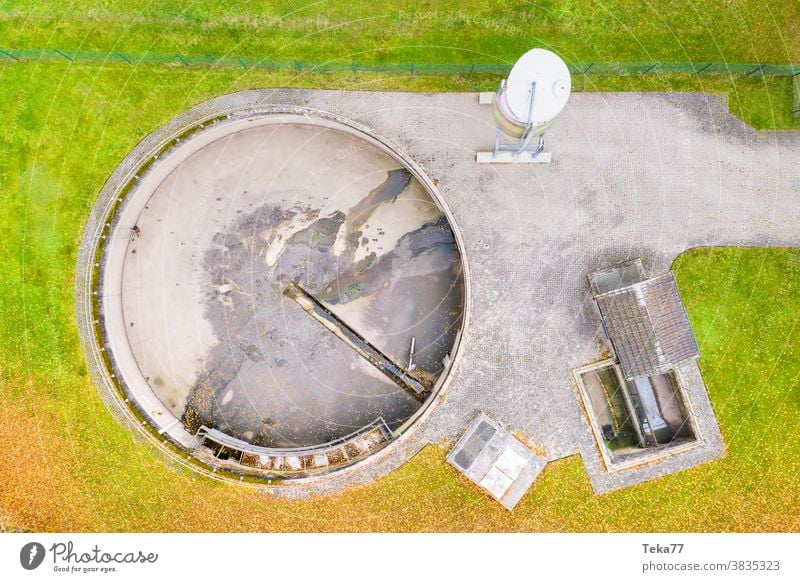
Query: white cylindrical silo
(536, 91)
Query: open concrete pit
(201, 327)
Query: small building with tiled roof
(637, 403)
(645, 320)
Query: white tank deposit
(536, 91)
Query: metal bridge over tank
(242, 457)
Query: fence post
(650, 68)
(66, 56)
(796, 95)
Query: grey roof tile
(648, 326)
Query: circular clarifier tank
(281, 293)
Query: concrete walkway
(647, 175)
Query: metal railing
(232, 443)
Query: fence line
(796, 96)
(228, 61)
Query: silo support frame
(511, 153)
(521, 150)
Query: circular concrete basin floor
(243, 214)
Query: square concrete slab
(496, 482)
(495, 460)
(511, 463)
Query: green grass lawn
(414, 30)
(66, 464)
(444, 31)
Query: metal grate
(474, 445)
